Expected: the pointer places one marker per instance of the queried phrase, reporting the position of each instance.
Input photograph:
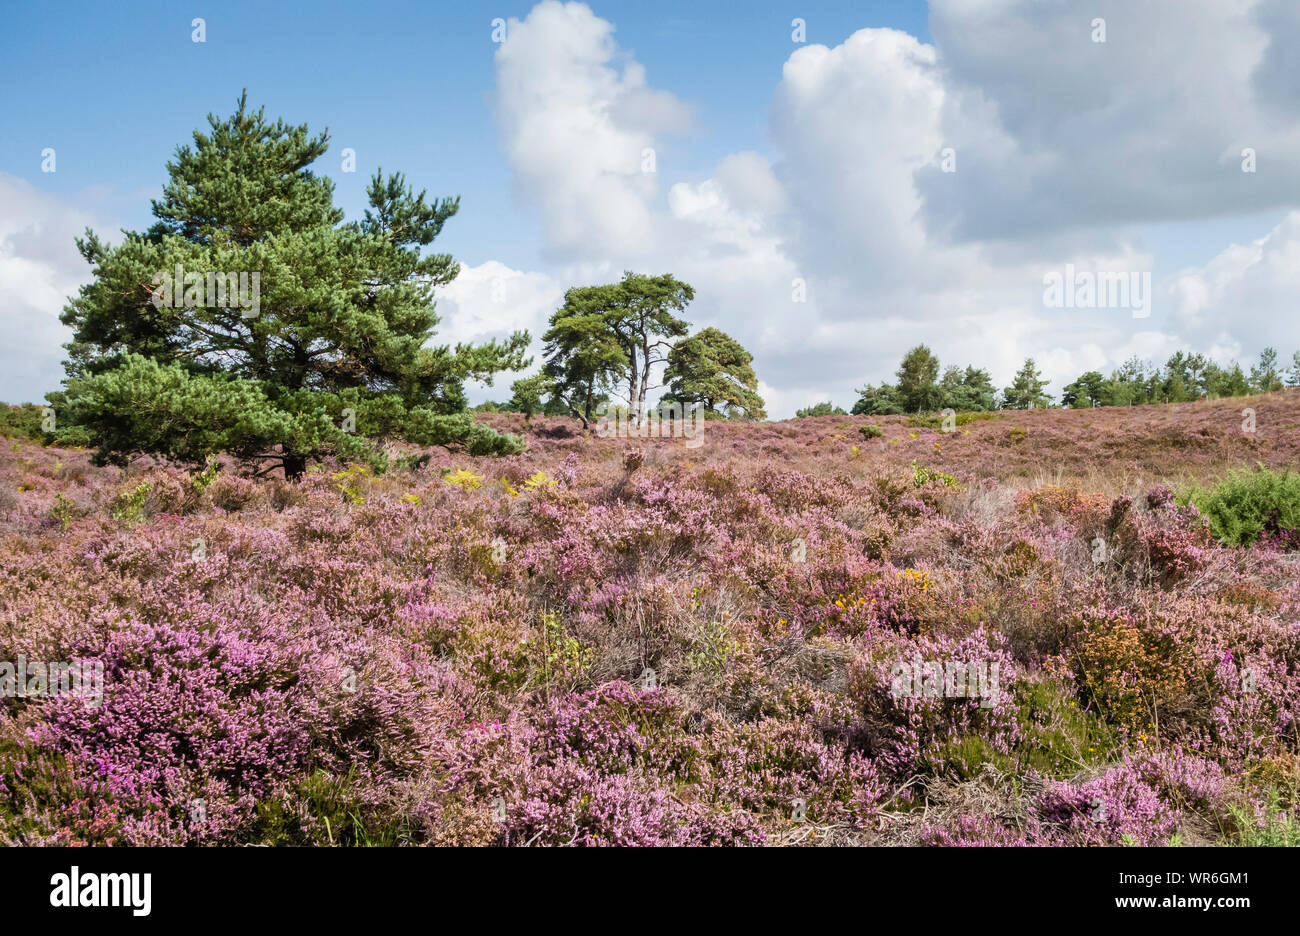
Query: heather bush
(1117, 807)
(1130, 671)
(973, 832)
(917, 713)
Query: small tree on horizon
(1266, 376)
(1084, 392)
(918, 376)
(968, 390)
(820, 409)
(1027, 389)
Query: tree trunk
(645, 376)
(633, 391)
(295, 466)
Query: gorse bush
(1249, 504)
(921, 476)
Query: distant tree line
(922, 386)
(1183, 378)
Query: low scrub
(1249, 505)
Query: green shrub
(1247, 504)
(21, 422)
(921, 476)
(1274, 829)
(62, 511)
(129, 505)
(871, 431)
(935, 420)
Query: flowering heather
(623, 642)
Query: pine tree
(967, 391)
(528, 393)
(249, 318)
(1084, 392)
(1026, 391)
(883, 400)
(712, 369)
(917, 380)
(604, 335)
(1266, 376)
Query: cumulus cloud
(1244, 299)
(492, 301)
(39, 269)
(1056, 131)
(577, 130)
(1061, 144)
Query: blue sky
(407, 85)
(777, 161)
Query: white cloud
(492, 301)
(576, 130)
(40, 269)
(1060, 142)
(1244, 299)
(1057, 132)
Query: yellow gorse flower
(920, 579)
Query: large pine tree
(339, 322)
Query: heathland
(636, 641)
